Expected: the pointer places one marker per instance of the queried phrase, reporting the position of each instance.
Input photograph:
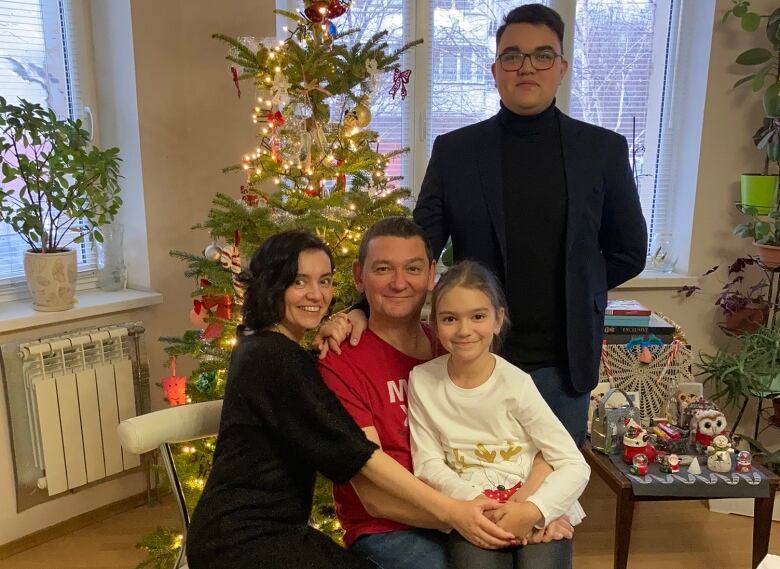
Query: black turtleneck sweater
(535, 219)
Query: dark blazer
(606, 236)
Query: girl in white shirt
(477, 423)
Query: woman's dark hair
(473, 275)
(272, 269)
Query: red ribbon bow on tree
(274, 119)
(400, 79)
(222, 305)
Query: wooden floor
(666, 535)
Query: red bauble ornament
(336, 9)
(317, 11)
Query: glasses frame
(529, 57)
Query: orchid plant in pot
(57, 189)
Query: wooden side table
(624, 509)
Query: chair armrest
(174, 425)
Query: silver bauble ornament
(212, 252)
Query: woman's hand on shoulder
(340, 327)
(332, 333)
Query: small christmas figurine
(670, 464)
(705, 426)
(175, 386)
(634, 441)
(719, 455)
(744, 461)
(640, 465)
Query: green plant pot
(759, 191)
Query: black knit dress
(280, 424)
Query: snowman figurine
(634, 441)
(719, 454)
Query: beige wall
(191, 125)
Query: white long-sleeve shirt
(467, 440)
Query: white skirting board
(741, 506)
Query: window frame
(80, 76)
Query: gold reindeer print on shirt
(460, 462)
(511, 451)
(482, 454)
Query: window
(40, 60)
(630, 71)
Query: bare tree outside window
(611, 67)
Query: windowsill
(658, 281)
(19, 314)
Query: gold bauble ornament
(363, 115)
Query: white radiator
(78, 388)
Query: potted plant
(742, 300)
(56, 189)
(759, 190)
(764, 230)
(748, 368)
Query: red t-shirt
(371, 379)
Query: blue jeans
(568, 405)
(404, 549)
(553, 555)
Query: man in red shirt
(395, 271)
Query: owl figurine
(705, 426)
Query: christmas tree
(318, 165)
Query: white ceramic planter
(51, 278)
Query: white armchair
(174, 425)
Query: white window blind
(39, 62)
(622, 73)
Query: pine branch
(240, 48)
(292, 16)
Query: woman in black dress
(280, 424)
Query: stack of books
(626, 313)
(626, 320)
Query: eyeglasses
(540, 60)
